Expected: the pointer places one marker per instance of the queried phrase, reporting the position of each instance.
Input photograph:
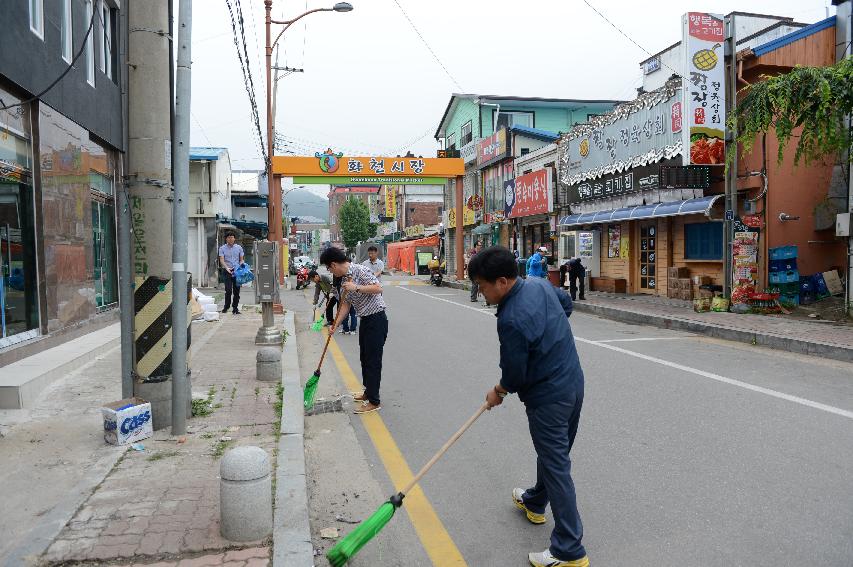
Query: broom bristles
(310, 391)
(317, 325)
(356, 539)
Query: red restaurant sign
(529, 194)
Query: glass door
(103, 243)
(648, 257)
(18, 297)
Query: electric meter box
(266, 256)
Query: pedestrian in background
(323, 284)
(364, 292)
(350, 322)
(538, 360)
(475, 289)
(374, 263)
(231, 255)
(577, 273)
(536, 264)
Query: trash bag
(243, 274)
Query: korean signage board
(370, 181)
(636, 134)
(468, 220)
(330, 164)
(494, 148)
(468, 152)
(703, 36)
(390, 194)
(636, 179)
(651, 65)
(416, 230)
(530, 194)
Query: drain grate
(326, 406)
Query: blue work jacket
(538, 356)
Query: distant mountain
(304, 203)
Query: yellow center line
(432, 533)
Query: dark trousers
(475, 290)
(330, 309)
(232, 291)
(553, 428)
(350, 322)
(573, 285)
(371, 343)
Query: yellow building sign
(390, 201)
(467, 220)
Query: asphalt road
(691, 451)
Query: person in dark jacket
(323, 284)
(577, 271)
(539, 362)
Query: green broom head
(367, 530)
(310, 390)
(317, 325)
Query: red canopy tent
(401, 255)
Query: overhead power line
(414, 27)
(629, 38)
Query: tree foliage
(355, 222)
(816, 99)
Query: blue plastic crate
(790, 288)
(807, 284)
(792, 299)
(784, 277)
(807, 297)
(820, 287)
(783, 252)
(783, 265)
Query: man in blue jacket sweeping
(539, 362)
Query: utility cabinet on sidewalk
(266, 271)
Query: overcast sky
(371, 86)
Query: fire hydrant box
(127, 421)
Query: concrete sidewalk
(138, 507)
(825, 339)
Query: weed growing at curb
(204, 407)
(219, 448)
(163, 455)
(278, 406)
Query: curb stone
(770, 340)
(292, 545)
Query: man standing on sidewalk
(536, 264)
(364, 292)
(538, 361)
(323, 284)
(475, 289)
(374, 263)
(230, 257)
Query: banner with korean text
(529, 194)
(703, 38)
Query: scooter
(435, 278)
(302, 277)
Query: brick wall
(427, 214)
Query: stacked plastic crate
(784, 275)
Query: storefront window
(18, 292)
(703, 241)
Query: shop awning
(702, 205)
(482, 229)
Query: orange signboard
(330, 164)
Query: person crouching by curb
(539, 361)
(323, 284)
(364, 292)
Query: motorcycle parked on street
(302, 276)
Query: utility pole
(149, 179)
(180, 319)
(731, 176)
(460, 229)
(844, 43)
(123, 236)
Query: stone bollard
(245, 494)
(268, 364)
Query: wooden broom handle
(444, 449)
(329, 337)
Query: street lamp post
(274, 211)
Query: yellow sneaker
(532, 517)
(545, 559)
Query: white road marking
(710, 375)
(648, 339)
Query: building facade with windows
(61, 143)
(489, 131)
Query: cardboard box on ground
(127, 421)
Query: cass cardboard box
(686, 294)
(701, 280)
(672, 292)
(678, 273)
(685, 283)
(127, 421)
